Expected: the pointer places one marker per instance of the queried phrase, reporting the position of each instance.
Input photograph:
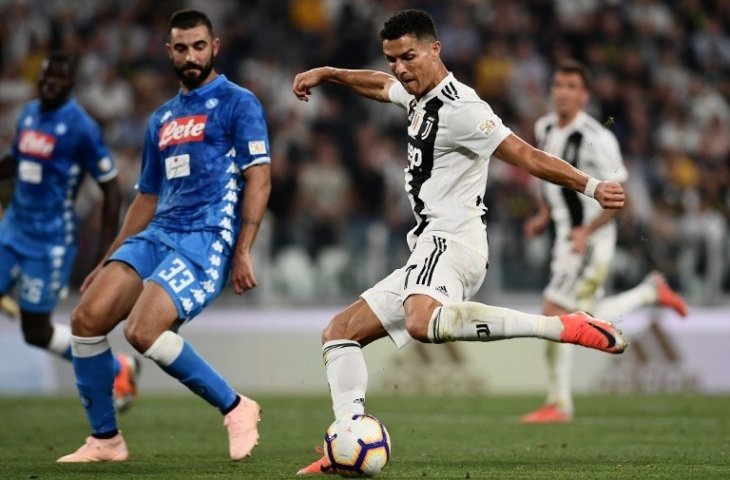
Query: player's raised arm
(550, 168)
(368, 83)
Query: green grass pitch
(180, 437)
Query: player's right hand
(610, 194)
(304, 82)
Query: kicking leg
(472, 321)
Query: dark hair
(574, 66)
(70, 61)
(189, 18)
(409, 22)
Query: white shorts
(442, 269)
(577, 280)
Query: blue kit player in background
(202, 194)
(55, 145)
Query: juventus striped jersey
(452, 134)
(589, 146)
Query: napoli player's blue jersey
(53, 149)
(196, 146)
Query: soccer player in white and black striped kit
(585, 234)
(452, 134)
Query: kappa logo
(183, 130)
(36, 144)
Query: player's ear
(168, 47)
(216, 46)
(436, 48)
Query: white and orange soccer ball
(357, 445)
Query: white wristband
(591, 186)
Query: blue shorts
(192, 267)
(43, 269)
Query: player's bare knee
(417, 327)
(85, 321)
(139, 337)
(336, 329)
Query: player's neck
(53, 105)
(566, 118)
(441, 73)
(211, 76)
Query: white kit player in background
(452, 134)
(585, 234)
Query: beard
(186, 74)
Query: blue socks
(197, 374)
(94, 367)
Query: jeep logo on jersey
(36, 144)
(183, 130)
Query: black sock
(105, 435)
(233, 405)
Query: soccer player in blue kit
(55, 145)
(201, 196)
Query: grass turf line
(180, 437)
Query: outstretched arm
(368, 83)
(519, 153)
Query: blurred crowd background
(338, 213)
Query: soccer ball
(357, 445)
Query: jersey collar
(205, 89)
(579, 119)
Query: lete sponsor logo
(182, 130)
(36, 144)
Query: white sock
(614, 308)
(85, 347)
(347, 376)
(472, 321)
(559, 358)
(165, 349)
(60, 340)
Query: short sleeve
(93, 153)
(475, 127)
(611, 164)
(150, 180)
(398, 95)
(249, 131)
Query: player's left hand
(242, 275)
(610, 194)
